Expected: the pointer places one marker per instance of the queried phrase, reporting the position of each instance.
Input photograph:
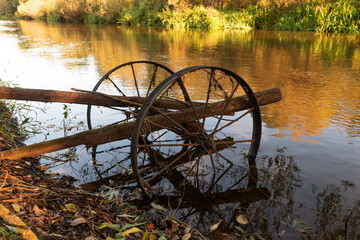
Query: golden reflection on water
(319, 75)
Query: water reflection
(318, 74)
(265, 194)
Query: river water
(309, 157)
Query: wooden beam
(123, 131)
(86, 97)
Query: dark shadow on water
(264, 194)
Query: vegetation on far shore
(338, 16)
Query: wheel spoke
(167, 167)
(136, 84)
(231, 122)
(117, 88)
(153, 81)
(212, 73)
(228, 100)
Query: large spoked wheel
(137, 78)
(193, 144)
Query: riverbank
(40, 205)
(341, 16)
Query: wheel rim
(200, 152)
(136, 78)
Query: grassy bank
(342, 16)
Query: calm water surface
(309, 157)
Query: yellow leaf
(186, 236)
(146, 236)
(173, 221)
(242, 219)
(70, 207)
(158, 207)
(41, 168)
(12, 219)
(16, 207)
(153, 236)
(131, 230)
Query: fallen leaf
(78, 221)
(150, 227)
(16, 207)
(153, 236)
(186, 236)
(70, 207)
(174, 228)
(131, 230)
(301, 230)
(21, 227)
(242, 219)
(240, 229)
(146, 236)
(158, 207)
(112, 226)
(41, 168)
(91, 238)
(125, 215)
(38, 211)
(215, 226)
(187, 230)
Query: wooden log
(123, 131)
(85, 97)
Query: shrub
(340, 17)
(32, 9)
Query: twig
(189, 226)
(6, 175)
(347, 221)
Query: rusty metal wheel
(195, 145)
(132, 79)
(137, 78)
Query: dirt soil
(53, 208)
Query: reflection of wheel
(136, 78)
(195, 146)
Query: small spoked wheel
(192, 129)
(132, 79)
(136, 79)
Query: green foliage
(342, 16)
(144, 13)
(300, 17)
(8, 7)
(201, 17)
(53, 17)
(264, 16)
(339, 17)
